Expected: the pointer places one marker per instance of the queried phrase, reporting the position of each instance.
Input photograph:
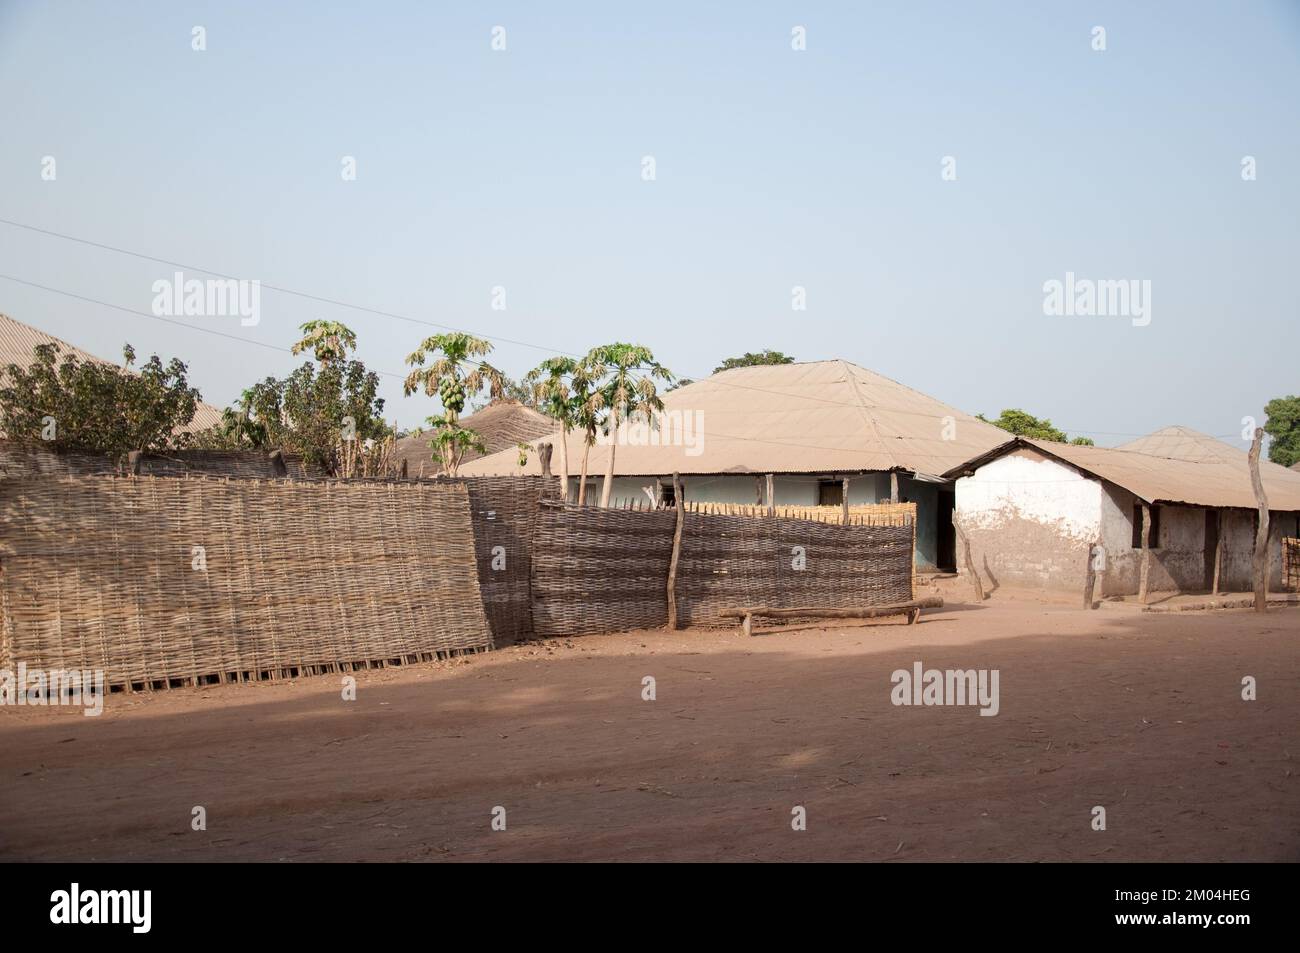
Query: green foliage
(97, 408)
(625, 376)
(455, 375)
(1027, 425)
(329, 341)
(1284, 427)
(754, 360)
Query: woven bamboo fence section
(103, 573)
(505, 511)
(735, 562)
(20, 460)
(600, 570)
(1291, 563)
(605, 570)
(862, 514)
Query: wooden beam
(844, 503)
(893, 486)
(1218, 550)
(1259, 565)
(865, 612)
(771, 495)
(966, 559)
(1144, 568)
(677, 552)
(1090, 578)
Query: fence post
(1259, 565)
(1144, 571)
(771, 495)
(677, 551)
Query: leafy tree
(316, 411)
(329, 341)
(551, 386)
(1027, 425)
(624, 392)
(754, 360)
(1284, 427)
(454, 376)
(97, 408)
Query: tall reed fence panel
(21, 460)
(505, 511)
(158, 579)
(598, 570)
(735, 562)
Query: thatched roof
(501, 426)
(17, 341)
(814, 417)
(1180, 466)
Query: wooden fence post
(1259, 565)
(970, 564)
(1218, 550)
(771, 495)
(844, 503)
(677, 552)
(1144, 570)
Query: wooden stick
(1144, 570)
(1218, 550)
(1090, 578)
(1259, 565)
(970, 563)
(677, 552)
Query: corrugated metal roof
(817, 417)
(1209, 472)
(18, 339)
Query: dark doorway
(830, 493)
(946, 542)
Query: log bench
(910, 609)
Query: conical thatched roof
(502, 426)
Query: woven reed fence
(20, 460)
(300, 578)
(600, 570)
(606, 570)
(505, 511)
(862, 514)
(1291, 563)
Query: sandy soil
(1139, 713)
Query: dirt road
(1138, 713)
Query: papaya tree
(625, 375)
(454, 374)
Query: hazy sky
(775, 168)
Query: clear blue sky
(775, 168)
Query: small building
(1033, 510)
(810, 426)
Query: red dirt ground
(1139, 713)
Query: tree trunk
(564, 463)
(608, 484)
(1144, 570)
(1259, 565)
(582, 483)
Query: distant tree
(552, 388)
(318, 411)
(455, 375)
(1284, 427)
(518, 391)
(624, 391)
(329, 341)
(747, 359)
(90, 407)
(1027, 425)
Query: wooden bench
(910, 609)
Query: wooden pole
(844, 503)
(1144, 569)
(1218, 550)
(893, 486)
(1090, 578)
(677, 552)
(976, 583)
(1259, 565)
(544, 455)
(771, 495)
